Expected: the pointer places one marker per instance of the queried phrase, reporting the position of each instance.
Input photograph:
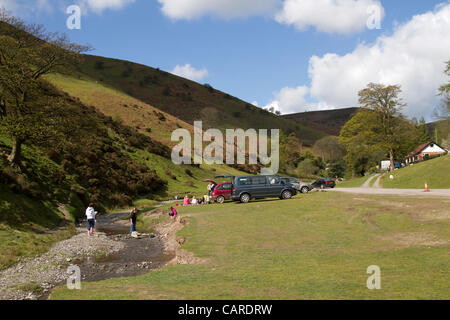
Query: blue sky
(264, 56)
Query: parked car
(247, 188)
(303, 187)
(398, 166)
(222, 192)
(324, 184)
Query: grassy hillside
(330, 121)
(188, 100)
(121, 107)
(182, 179)
(436, 172)
(318, 247)
(29, 217)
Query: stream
(139, 256)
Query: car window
(258, 180)
(219, 187)
(226, 186)
(274, 180)
(244, 181)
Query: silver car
(303, 187)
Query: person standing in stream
(90, 215)
(133, 218)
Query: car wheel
(220, 199)
(286, 195)
(245, 198)
(305, 190)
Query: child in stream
(133, 218)
(90, 215)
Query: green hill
(188, 100)
(330, 121)
(436, 172)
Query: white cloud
(289, 100)
(98, 6)
(26, 8)
(191, 9)
(187, 71)
(342, 16)
(332, 16)
(413, 57)
(23, 7)
(8, 5)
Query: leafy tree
(442, 112)
(290, 150)
(385, 129)
(307, 168)
(329, 148)
(337, 169)
(356, 137)
(307, 155)
(364, 138)
(28, 52)
(424, 136)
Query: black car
(323, 184)
(260, 187)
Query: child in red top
(173, 212)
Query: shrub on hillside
(121, 200)
(167, 92)
(189, 172)
(170, 174)
(209, 87)
(190, 183)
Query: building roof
(420, 148)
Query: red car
(221, 192)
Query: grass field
(317, 246)
(353, 183)
(436, 172)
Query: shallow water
(140, 256)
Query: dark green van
(247, 188)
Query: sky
(293, 55)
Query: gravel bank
(49, 269)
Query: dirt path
(377, 184)
(399, 192)
(110, 253)
(367, 183)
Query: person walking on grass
(90, 215)
(133, 219)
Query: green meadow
(317, 246)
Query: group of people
(91, 218)
(194, 201)
(206, 199)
